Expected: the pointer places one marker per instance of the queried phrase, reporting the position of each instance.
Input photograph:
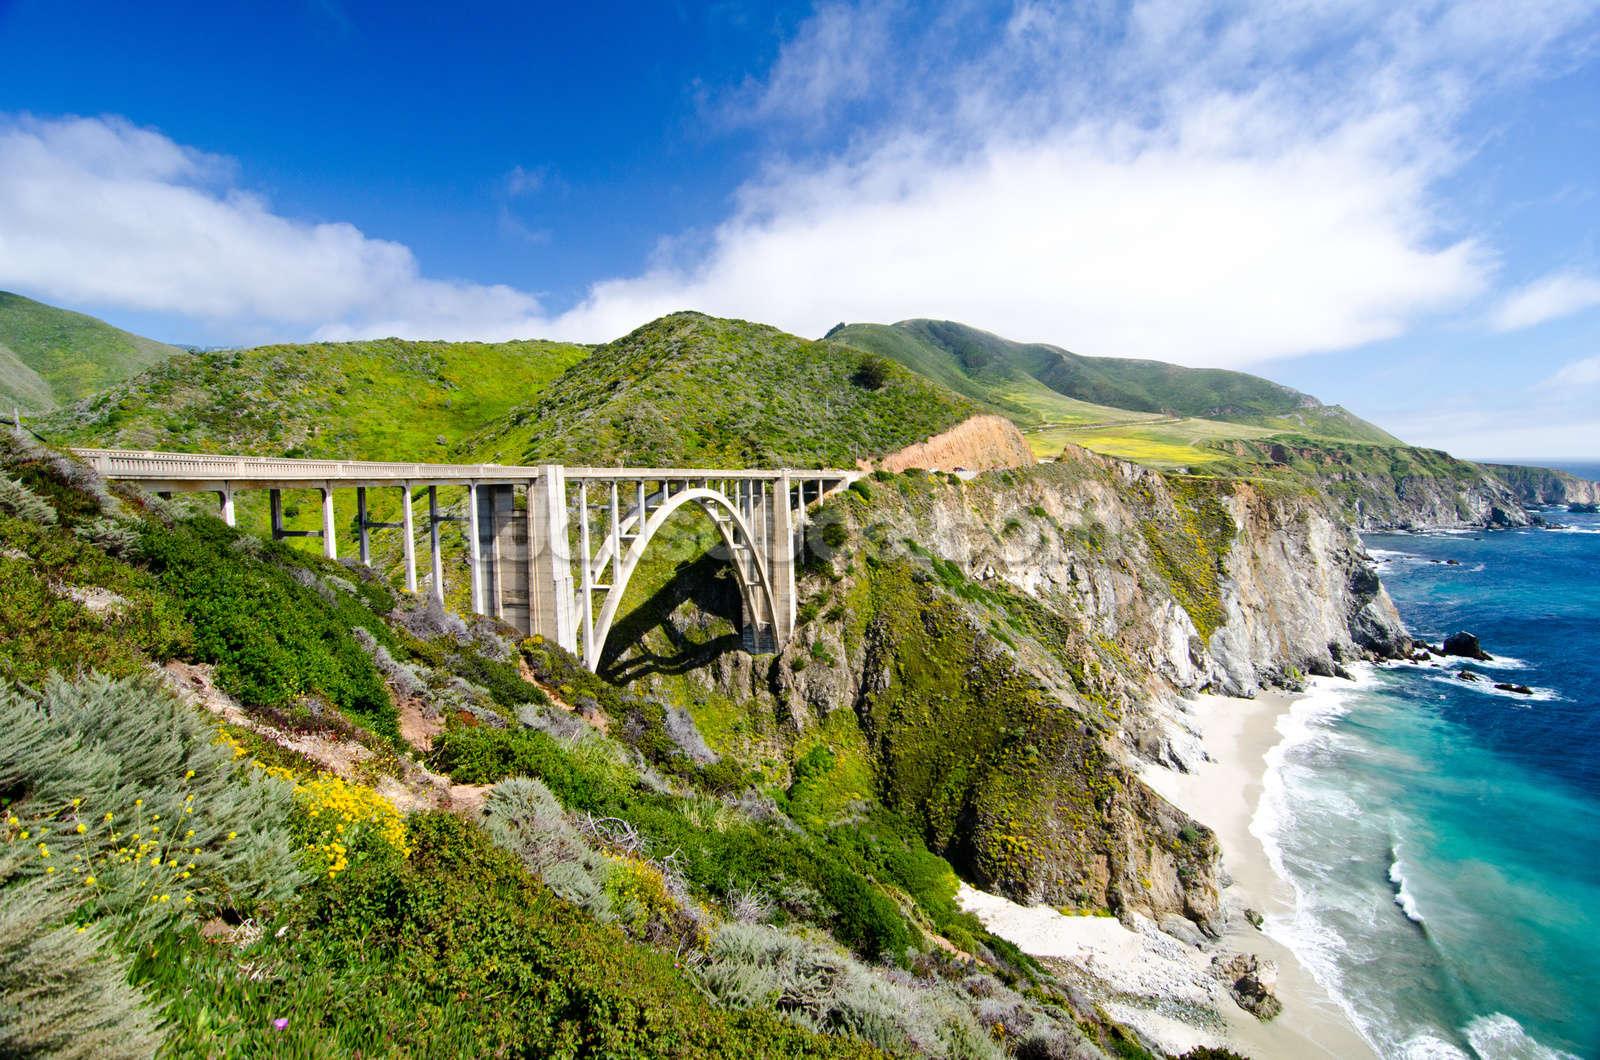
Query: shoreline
(1224, 793)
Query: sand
(1224, 794)
(1161, 986)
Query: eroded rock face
(1000, 645)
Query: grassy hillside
(693, 390)
(384, 399)
(1143, 410)
(51, 357)
(269, 864)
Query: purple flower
(282, 1023)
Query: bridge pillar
(474, 548)
(781, 559)
(330, 545)
(550, 600)
(226, 496)
(275, 502)
(433, 543)
(363, 534)
(410, 542)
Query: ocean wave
(1403, 897)
(1430, 1047)
(1314, 942)
(1499, 1037)
(1487, 688)
(1573, 529)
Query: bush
(755, 966)
(872, 373)
(273, 639)
(455, 952)
(130, 804)
(18, 500)
(63, 991)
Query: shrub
(127, 799)
(872, 372)
(18, 500)
(63, 992)
(339, 821)
(115, 539)
(525, 819)
(755, 966)
(273, 639)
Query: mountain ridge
(51, 356)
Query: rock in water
(1466, 645)
(1252, 982)
(1469, 675)
(1521, 690)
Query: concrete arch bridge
(551, 548)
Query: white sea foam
(1499, 1037)
(1486, 687)
(1402, 896)
(1573, 529)
(1429, 1047)
(1315, 943)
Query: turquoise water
(1443, 837)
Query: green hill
(384, 399)
(50, 356)
(698, 391)
(1049, 390)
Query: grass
(51, 356)
(690, 390)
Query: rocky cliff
(1407, 488)
(990, 654)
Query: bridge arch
(746, 557)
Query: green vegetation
(690, 390)
(51, 357)
(382, 399)
(1150, 412)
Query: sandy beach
(1141, 964)
(1224, 793)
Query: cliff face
(980, 443)
(995, 647)
(1407, 488)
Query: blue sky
(1395, 207)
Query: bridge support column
(474, 548)
(225, 494)
(781, 560)
(275, 501)
(550, 599)
(433, 543)
(410, 542)
(363, 535)
(330, 544)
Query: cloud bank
(1214, 183)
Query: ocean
(1443, 837)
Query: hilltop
(51, 357)
(689, 390)
(1138, 407)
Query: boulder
(1468, 675)
(1181, 928)
(1466, 645)
(1521, 690)
(1252, 982)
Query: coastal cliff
(1408, 488)
(998, 654)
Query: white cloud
(1214, 183)
(1548, 298)
(1210, 183)
(96, 210)
(1576, 373)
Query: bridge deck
(198, 471)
